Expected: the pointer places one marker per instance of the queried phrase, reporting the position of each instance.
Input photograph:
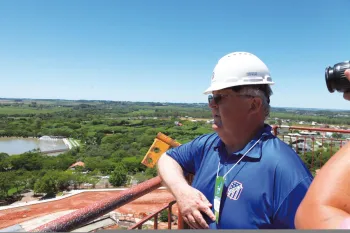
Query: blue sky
(166, 50)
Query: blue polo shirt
(263, 191)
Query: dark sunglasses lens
(210, 98)
(216, 98)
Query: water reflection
(13, 146)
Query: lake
(13, 146)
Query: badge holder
(219, 185)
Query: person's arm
(327, 203)
(172, 174)
(191, 201)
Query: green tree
(6, 179)
(119, 175)
(152, 172)
(63, 180)
(29, 161)
(133, 164)
(47, 184)
(5, 163)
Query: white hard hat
(237, 69)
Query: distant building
(294, 134)
(301, 147)
(305, 132)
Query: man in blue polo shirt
(245, 177)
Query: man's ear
(256, 105)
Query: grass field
(73, 142)
(11, 191)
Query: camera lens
(335, 77)
(329, 76)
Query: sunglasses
(218, 97)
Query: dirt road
(149, 203)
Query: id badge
(219, 184)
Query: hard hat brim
(224, 86)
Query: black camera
(335, 77)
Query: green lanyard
(219, 184)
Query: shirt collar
(255, 152)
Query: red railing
(83, 216)
(155, 216)
(312, 144)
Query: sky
(165, 51)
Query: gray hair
(262, 91)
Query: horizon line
(79, 100)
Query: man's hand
(191, 203)
(347, 94)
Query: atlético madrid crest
(234, 190)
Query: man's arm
(327, 203)
(172, 174)
(190, 200)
